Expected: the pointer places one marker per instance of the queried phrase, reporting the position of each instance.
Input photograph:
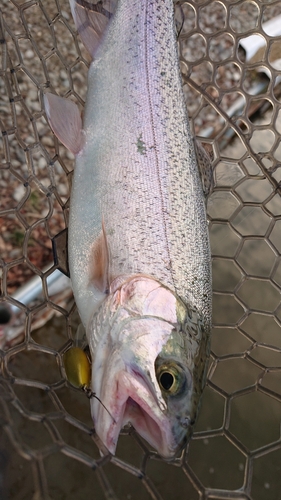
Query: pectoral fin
(100, 263)
(91, 20)
(65, 120)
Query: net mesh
(48, 448)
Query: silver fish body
(137, 170)
(136, 192)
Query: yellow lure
(77, 367)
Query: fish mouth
(131, 400)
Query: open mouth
(132, 401)
(143, 423)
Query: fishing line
(90, 394)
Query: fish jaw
(129, 398)
(140, 328)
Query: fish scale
(144, 179)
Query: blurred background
(231, 60)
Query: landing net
(48, 449)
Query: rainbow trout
(138, 239)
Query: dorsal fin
(91, 19)
(205, 168)
(100, 263)
(179, 18)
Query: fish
(138, 243)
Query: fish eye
(171, 378)
(166, 380)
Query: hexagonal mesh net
(48, 449)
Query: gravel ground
(40, 167)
